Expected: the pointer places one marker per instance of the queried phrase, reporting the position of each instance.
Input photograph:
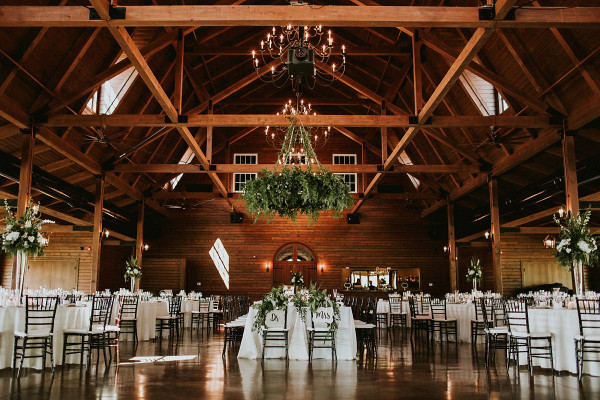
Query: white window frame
(236, 174)
(333, 156)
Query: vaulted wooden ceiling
(544, 65)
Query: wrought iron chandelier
(305, 55)
(317, 136)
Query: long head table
(345, 339)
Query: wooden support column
(417, 79)
(364, 162)
(384, 137)
(139, 238)
(495, 232)
(27, 145)
(178, 90)
(569, 162)
(209, 136)
(97, 233)
(452, 249)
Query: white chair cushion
(201, 312)
(497, 331)
(422, 317)
(589, 338)
(112, 328)
(533, 335)
(235, 324)
(34, 334)
(274, 329)
(365, 326)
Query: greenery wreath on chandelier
(297, 184)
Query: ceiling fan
(182, 205)
(494, 139)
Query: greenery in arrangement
(290, 190)
(132, 269)
(474, 270)
(274, 300)
(25, 233)
(297, 279)
(577, 243)
(313, 299)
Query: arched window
(294, 257)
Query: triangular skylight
(405, 159)
(187, 158)
(112, 92)
(483, 94)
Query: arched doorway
(293, 257)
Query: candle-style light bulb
(343, 49)
(256, 62)
(333, 67)
(262, 44)
(253, 54)
(272, 70)
(273, 31)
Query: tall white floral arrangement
(577, 244)
(25, 233)
(474, 270)
(132, 269)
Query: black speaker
(354, 219)
(300, 61)
(236, 218)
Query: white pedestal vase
(132, 282)
(578, 275)
(474, 285)
(21, 261)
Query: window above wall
(111, 93)
(483, 94)
(240, 179)
(351, 179)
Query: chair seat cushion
(364, 326)
(265, 329)
(112, 328)
(167, 317)
(34, 334)
(497, 331)
(235, 324)
(421, 317)
(533, 335)
(588, 338)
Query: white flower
(9, 227)
(27, 224)
(562, 244)
(31, 239)
(584, 246)
(568, 250)
(471, 272)
(12, 236)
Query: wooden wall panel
(464, 259)
(163, 273)
(65, 246)
(388, 235)
(112, 267)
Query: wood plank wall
(464, 259)
(163, 273)
(388, 235)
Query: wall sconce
(487, 234)
(268, 266)
(106, 233)
(561, 212)
(322, 268)
(549, 242)
(146, 247)
(445, 249)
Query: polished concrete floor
(195, 369)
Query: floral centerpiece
(274, 300)
(23, 237)
(297, 280)
(577, 245)
(132, 271)
(313, 299)
(474, 272)
(293, 187)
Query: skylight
(111, 93)
(405, 159)
(187, 158)
(221, 259)
(483, 94)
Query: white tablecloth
(345, 339)
(187, 306)
(146, 319)
(13, 318)
(564, 326)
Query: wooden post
(495, 232)
(569, 162)
(97, 233)
(417, 79)
(571, 190)
(384, 137)
(178, 90)
(209, 136)
(27, 145)
(364, 162)
(452, 249)
(139, 239)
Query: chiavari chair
(588, 341)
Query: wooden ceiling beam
(261, 15)
(182, 196)
(401, 51)
(137, 59)
(473, 46)
(235, 168)
(254, 120)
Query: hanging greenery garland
(294, 186)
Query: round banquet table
(187, 306)
(146, 319)
(13, 318)
(345, 339)
(563, 324)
